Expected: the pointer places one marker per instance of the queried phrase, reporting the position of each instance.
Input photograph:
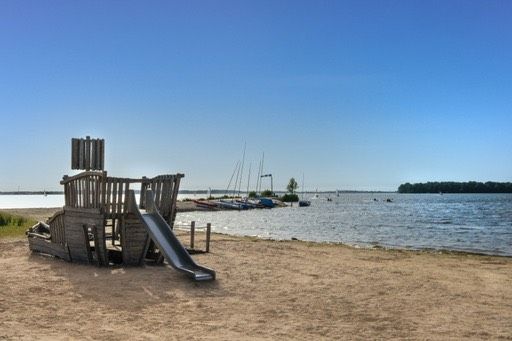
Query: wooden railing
(97, 190)
(84, 190)
(116, 190)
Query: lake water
(465, 222)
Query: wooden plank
(126, 191)
(87, 153)
(77, 221)
(172, 212)
(134, 239)
(143, 189)
(114, 196)
(166, 197)
(49, 248)
(76, 186)
(75, 144)
(100, 246)
(95, 191)
(104, 191)
(81, 154)
(157, 192)
(87, 183)
(119, 208)
(93, 153)
(109, 193)
(102, 154)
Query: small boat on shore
(267, 202)
(205, 204)
(302, 202)
(232, 205)
(250, 203)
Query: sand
(265, 290)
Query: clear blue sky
(354, 94)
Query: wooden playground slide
(163, 236)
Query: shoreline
(43, 213)
(265, 289)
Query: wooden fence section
(134, 239)
(84, 190)
(56, 226)
(192, 228)
(165, 189)
(97, 190)
(79, 223)
(116, 190)
(87, 154)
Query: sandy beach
(264, 290)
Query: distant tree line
(456, 187)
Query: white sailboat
(302, 202)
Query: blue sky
(354, 94)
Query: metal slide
(172, 249)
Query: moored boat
(205, 204)
(267, 202)
(304, 203)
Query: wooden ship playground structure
(101, 222)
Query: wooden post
(101, 154)
(81, 154)
(208, 231)
(192, 233)
(75, 150)
(88, 153)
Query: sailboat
(302, 202)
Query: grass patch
(14, 226)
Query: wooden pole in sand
(192, 232)
(208, 231)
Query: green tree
(292, 186)
(288, 197)
(267, 193)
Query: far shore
(265, 289)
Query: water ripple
(464, 222)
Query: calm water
(465, 222)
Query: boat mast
(249, 179)
(232, 175)
(261, 170)
(236, 179)
(302, 186)
(242, 170)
